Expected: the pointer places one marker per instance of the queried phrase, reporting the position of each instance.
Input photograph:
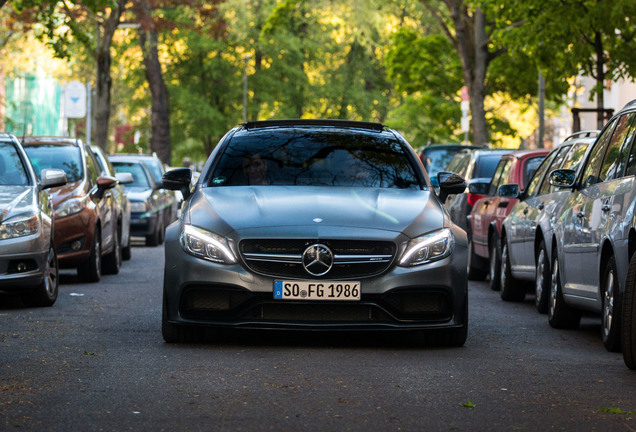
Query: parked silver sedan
(28, 261)
(595, 231)
(527, 232)
(315, 225)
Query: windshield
(314, 158)
(137, 171)
(437, 160)
(12, 170)
(154, 165)
(67, 158)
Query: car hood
(16, 199)
(314, 210)
(69, 190)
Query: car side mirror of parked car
(51, 177)
(178, 179)
(104, 183)
(510, 190)
(479, 187)
(450, 184)
(124, 177)
(562, 178)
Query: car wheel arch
(631, 243)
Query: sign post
(465, 122)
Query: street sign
(75, 100)
(465, 124)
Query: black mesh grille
(283, 258)
(223, 303)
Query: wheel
(494, 261)
(112, 261)
(628, 317)
(560, 315)
(474, 273)
(156, 238)
(46, 293)
(91, 270)
(542, 284)
(511, 290)
(126, 252)
(611, 329)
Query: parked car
(28, 260)
(167, 198)
(149, 212)
(87, 218)
(436, 157)
(477, 168)
(314, 224)
(489, 212)
(119, 192)
(595, 231)
(527, 232)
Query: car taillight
(472, 198)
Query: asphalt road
(96, 361)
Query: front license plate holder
(316, 290)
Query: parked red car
(489, 212)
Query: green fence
(33, 106)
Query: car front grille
(284, 258)
(233, 304)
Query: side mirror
(124, 178)
(479, 187)
(51, 177)
(562, 178)
(177, 179)
(450, 184)
(104, 183)
(508, 190)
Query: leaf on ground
(468, 404)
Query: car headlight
(138, 206)
(429, 247)
(205, 244)
(18, 226)
(70, 207)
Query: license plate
(316, 290)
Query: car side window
(631, 159)
(530, 166)
(546, 187)
(497, 176)
(616, 154)
(92, 170)
(574, 156)
(538, 174)
(592, 167)
(458, 164)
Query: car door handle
(580, 214)
(486, 203)
(525, 211)
(540, 207)
(606, 208)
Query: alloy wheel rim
(608, 303)
(504, 265)
(98, 257)
(554, 286)
(538, 289)
(51, 275)
(492, 263)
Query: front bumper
(199, 292)
(22, 262)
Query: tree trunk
(103, 79)
(600, 80)
(160, 117)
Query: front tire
(156, 238)
(91, 270)
(611, 329)
(112, 261)
(174, 333)
(46, 293)
(543, 278)
(474, 273)
(560, 315)
(494, 261)
(628, 317)
(511, 290)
